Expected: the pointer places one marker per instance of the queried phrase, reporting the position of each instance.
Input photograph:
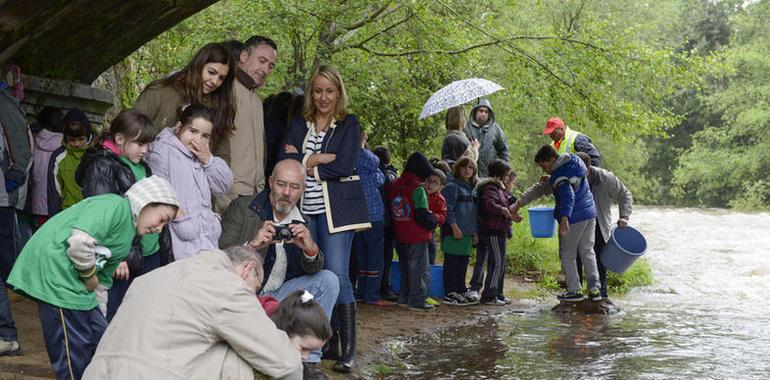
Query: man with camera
(271, 224)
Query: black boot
(331, 350)
(347, 317)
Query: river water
(707, 316)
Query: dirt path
(375, 326)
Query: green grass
(528, 255)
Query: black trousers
(455, 267)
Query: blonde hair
(332, 75)
(455, 118)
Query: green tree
(728, 162)
(600, 65)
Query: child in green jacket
(78, 249)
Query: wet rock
(586, 306)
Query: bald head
(287, 184)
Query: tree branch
(371, 17)
(385, 30)
(466, 49)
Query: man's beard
(281, 209)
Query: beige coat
(245, 150)
(193, 319)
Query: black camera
(282, 233)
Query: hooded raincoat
(491, 137)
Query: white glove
(102, 254)
(81, 250)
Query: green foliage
(601, 65)
(728, 161)
(639, 274)
(527, 254)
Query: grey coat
(15, 152)
(491, 137)
(606, 187)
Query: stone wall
(40, 92)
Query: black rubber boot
(347, 317)
(331, 350)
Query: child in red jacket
(437, 205)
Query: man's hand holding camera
(295, 233)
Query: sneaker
(570, 297)
(9, 348)
(450, 299)
(505, 299)
(594, 294)
(432, 301)
(455, 299)
(423, 307)
(472, 296)
(494, 302)
(390, 296)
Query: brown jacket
(160, 103)
(193, 319)
(245, 150)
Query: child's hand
(91, 282)
(564, 226)
(456, 233)
(122, 272)
(475, 239)
(515, 216)
(201, 151)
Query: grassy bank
(539, 259)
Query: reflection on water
(706, 316)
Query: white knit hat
(152, 189)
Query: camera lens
(284, 234)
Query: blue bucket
(625, 246)
(436, 289)
(541, 222)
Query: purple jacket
(45, 143)
(194, 184)
(492, 198)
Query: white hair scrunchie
(306, 297)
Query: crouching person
(271, 224)
(77, 250)
(196, 318)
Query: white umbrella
(457, 93)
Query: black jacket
(244, 217)
(101, 172)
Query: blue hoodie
(570, 188)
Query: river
(707, 316)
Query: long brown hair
(189, 83)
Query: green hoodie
(65, 176)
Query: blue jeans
(325, 288)
(8, 253)
(369, 246)
(7, 326)
(415, 274)
(336, 248)
(432, 249)
(9, 239)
